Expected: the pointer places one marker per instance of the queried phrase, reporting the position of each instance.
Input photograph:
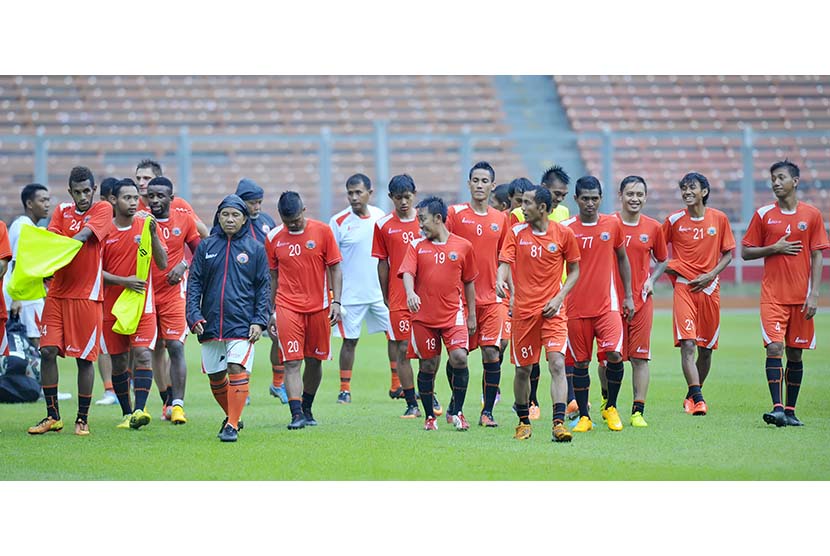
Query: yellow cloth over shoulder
(129, 306)
(40, 253)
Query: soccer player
(5, 257)
(392, 235)
(515, 189)
(178, 229)
(594, 306)
(437, 270)
(362, 298)
(485, 228)
(499, 198)
(104, 362)
(299, 253)
(702, 244)
(228, 301)
(643, 242)
(534, 252)
(790, 236)
(73, 314)
(119, 267)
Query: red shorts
(401, 325)
(696, 314)
(607, 329)
(424, 341)
(73, 326)
(145, 336)
(531, 334)
(303, 335)
(172, 323)
(489, 326)
(4, 341)
(786, 323)
(637, 333)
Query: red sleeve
(753, 236)
(504, 230)
(5, 246)
(818, 238)
(271, 252)
(378, 245)
(332, 251)
(658, 248)
(55, 222)
(667, 231)
(410, 262)
(192, 234)
(507, 254)
(570, 246)
(100, 219)
(619, 233)
(469, 269)
(451, 219)
(728, 241)
(513, 219)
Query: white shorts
(376, 315)
(30, 315)
(216, 355)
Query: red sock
(219, 387)
(279, 375)
(237, 394)
(396, 382)
(345, 379)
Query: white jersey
(360, 270)
(14, 236)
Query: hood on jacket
(232, 201)
(248, 190)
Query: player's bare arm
(780, 247)
(84, 235)
(625, 275)
(159, 253)
(383, 278)
(502, 280)
(648, 285)
(130, 282)
(470, 295)
(811, 303)
(412, 299)
(272, 323)
(704, 280)
(4, 266)
(337, 290)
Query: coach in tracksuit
(228, 305)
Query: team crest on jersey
(644, 238)
(552, 247)
(453, 256)
(266, 228)
(802, 226)
(494, 227)
(177, 231)
(242, 258)
(711, 230)
(310, 244)
(86, 219)
(605, 236)
(137, 239)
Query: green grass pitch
(367, 441)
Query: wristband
(338, 303)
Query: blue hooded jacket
(259, 227)
(229, 286)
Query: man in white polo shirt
(362, 297)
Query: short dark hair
(79, 174)
(483, 165)
(791, 167)
(519, 185)
(699, 178)
(541, 195)
(633, 179)
(161, 180)
(587, 182)
(121, 184)
(29, 191)
(400, 184)
(106, 186)
(151, 164)
(434, 205)
(290, 204)
(555, 172)
(357, 179)
(500, 192)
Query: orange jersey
(440, 271)
(177, 204)
(786, 278)
(119, 258)
(534, 259)
(595, 293)
(391, 239)
(5, 254)
(82, 278)
(301, 260)
(697, 243)
(642, 240)
(486, 233)
(176, 230)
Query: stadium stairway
(531, 103)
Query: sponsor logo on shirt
(394, 231)
(282, 243)
(523, 242)
(177, 231)
(210, 255)
(771, 221)
(453, 256)
(310, 244)
(683, 229)
(711, 231)
(644, 238)
(242, 258)
(802, 226)
(605, 236)
(552, 247)
(465, 221)
(424, 251)
(111, 241)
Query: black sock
(450, 404)
(142, 382)
(168, 399)
(775, 380)
(50, 394)
(121, 385)
(409, 395)
(559, 412)
(638, 406)
(426, 383)
(569, 376)
(695, 393)
(308, 400)
(582, 384)
(523, 411)
(296, 407)
(162, 395)
(461, 379)
(83, 407)
(614, 375)
(604, 391)
(535, 371)
(492, 377)
(795, 372)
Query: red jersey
(642, 241)
(535, 259)
(697, 243)
(486, 232)
(301, 260)
(176, 230)
(82, 278)
(120, 249)
(595, 293)
(5, 254)
(177, 204)
(440, 271)
(786, 278)
(391, 239)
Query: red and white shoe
(460, 422)
(430, 424)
